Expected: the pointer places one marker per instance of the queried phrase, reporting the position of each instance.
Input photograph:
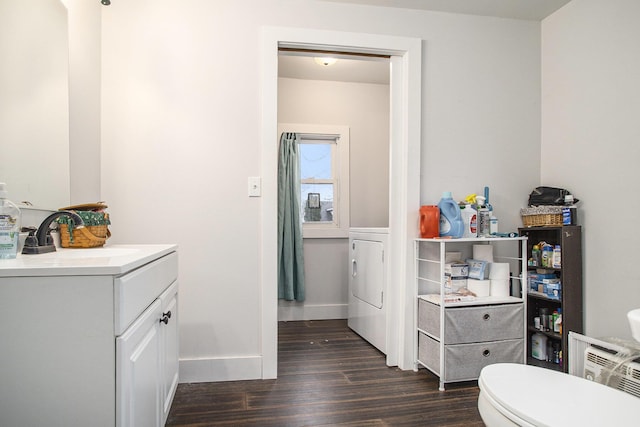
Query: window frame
(339, 227)
(331, 140)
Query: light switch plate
(255, 186)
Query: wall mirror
(34, 102)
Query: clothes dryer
(368, 285)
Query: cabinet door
(169, 355)
(138, 380)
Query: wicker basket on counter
(539, 216)
(94, 234)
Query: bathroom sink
(101, 252)
(105, 260)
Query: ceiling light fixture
(326, 61)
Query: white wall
(180, 136)
(365, 109)
(326, 269)
(481, 112)
(590, 104)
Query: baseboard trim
(299, 311)
(250, 367)
(220, 369)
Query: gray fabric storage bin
(483, 323)
(473, 323)
(465, 361)
(429, 317)
(429, 352)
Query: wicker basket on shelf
(539, 216)
(94, 234)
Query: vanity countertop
(106, 260)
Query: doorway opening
(405, 57)
(341, 112)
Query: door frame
(404, 177)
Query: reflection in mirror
(34, 102)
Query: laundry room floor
(327, 376)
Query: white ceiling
(535, 10)
(346, 70)
(369, 70)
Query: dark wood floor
(327, 376)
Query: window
(324, 179)
(317, 178)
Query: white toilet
(523, 395)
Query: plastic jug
(470, 221)
(539, 346)
(450, 217)
(429, 221)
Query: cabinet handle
(486, 316)
(165, 317)
(486, 353)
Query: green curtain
(290, 256)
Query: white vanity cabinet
(147, 359)
(138, 382)
(87, 338)
(169, 348)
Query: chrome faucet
(42, 242)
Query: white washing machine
(368, 285)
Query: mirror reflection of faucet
(39, 241)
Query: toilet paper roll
(482, 288)
(483, 252)
(499, 270)
(499, 288)
(452, 256)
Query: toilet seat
(533, 396)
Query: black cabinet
(569, 299)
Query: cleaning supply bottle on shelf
(484, 218)
(557, 257)
(536, 256)
(547, 255)
(429, 221)
(450, 217)
(539, 346)
(493, 224)
(557, 323)
(9, 225)
(486, 199)
(569, 211)
(470, 221)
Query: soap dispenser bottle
(9, 225)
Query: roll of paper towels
(500, 288)
(452, 256)
(483, 252)
(481, 288)
(499, 270)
